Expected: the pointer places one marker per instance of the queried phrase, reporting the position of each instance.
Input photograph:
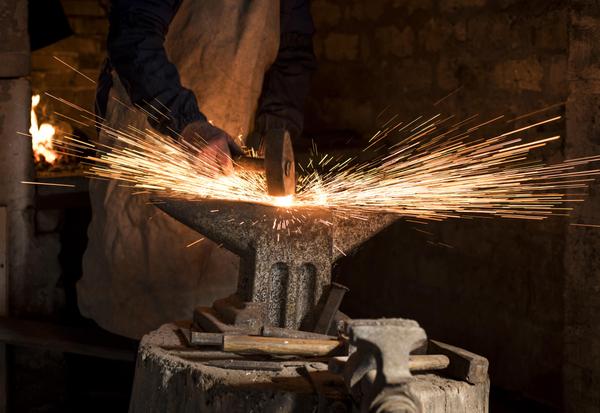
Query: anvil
(283, 277)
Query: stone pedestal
(171, 377)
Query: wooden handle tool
(281, 346)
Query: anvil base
(170, 377)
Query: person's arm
(136, 51)
(286, 83)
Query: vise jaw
(378, 367)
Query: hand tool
(317, 346)
(278, 164)
(245, 365)
(246, 344)
(281, 346)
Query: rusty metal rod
(271, 331)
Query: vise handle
(417, 362)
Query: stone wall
(84, 50)
(16, 160)
(508, 57)
(498, 290)
(582, 255)
(15, 166)
(39, 379)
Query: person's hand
(215, 146)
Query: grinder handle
(251, 164)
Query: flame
(41, 136)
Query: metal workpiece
(288, 271)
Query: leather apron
(137, 271)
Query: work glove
(215, 147)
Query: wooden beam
(87, 341)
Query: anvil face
(286, 269)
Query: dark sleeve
(136, 51)
(287, 81)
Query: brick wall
(84, 50)
(509, 56)
(499, 290)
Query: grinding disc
(280, 167)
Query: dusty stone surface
(169, 379)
